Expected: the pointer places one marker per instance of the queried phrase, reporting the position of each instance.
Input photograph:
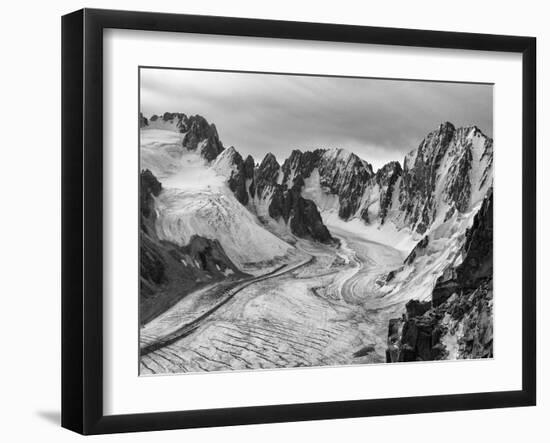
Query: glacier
(301, 298)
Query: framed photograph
(269, 221)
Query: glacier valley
(312, 260)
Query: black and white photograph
(275, 222)
(297, 221)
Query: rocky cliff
(457, 322)
(201, 136)
(450, 171)
(448, 174)
(198, 134)
(284, 200)
(237, 171)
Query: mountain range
(434, 205)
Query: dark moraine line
(188, 328)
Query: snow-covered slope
(196, 200)
(215, 214)
(160, 152)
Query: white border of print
(125, 392)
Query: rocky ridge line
(458, 321)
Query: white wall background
(30, 218)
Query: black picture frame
(82, 220)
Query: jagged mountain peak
(230, 164)
(269, 161)
(345, 156)
(227, 160)
(199, 134)
(172, 115)
(446, 126)
(249, 167)
(230, 152)
(450, 170)
(389, 168)
(250, 160)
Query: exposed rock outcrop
(231, 165)
(201, 135)
(198, 134)
(449, 172)
(286, 202)
(386, 178)
(418, 250)
(439, 174)
(149, 187)
(457, 322)
(143, 122)
(341, 173)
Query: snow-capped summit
(450, 171)
(226, 163)
(198, 134)
(230, 165)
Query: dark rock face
(178, 119)
(142, 121)
(301, 163)
(386, 177)
(347, 176)
(266, 175)
(417, 308)
(418, 250)
(237, 174)
(152, 263)
(462, 297)
(423, 168)
(476, 313)
(303, 217)
(458, 187)
(152, 266)
(420, 175)
(167, 116)
(249, 167)
(199, 134)
(287, 203)
(477, 264)
(199, 131)
(488, 155)
(209, 255)
(340, 173)
(149, 186)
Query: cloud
(379, 120)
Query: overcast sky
(379, 120)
